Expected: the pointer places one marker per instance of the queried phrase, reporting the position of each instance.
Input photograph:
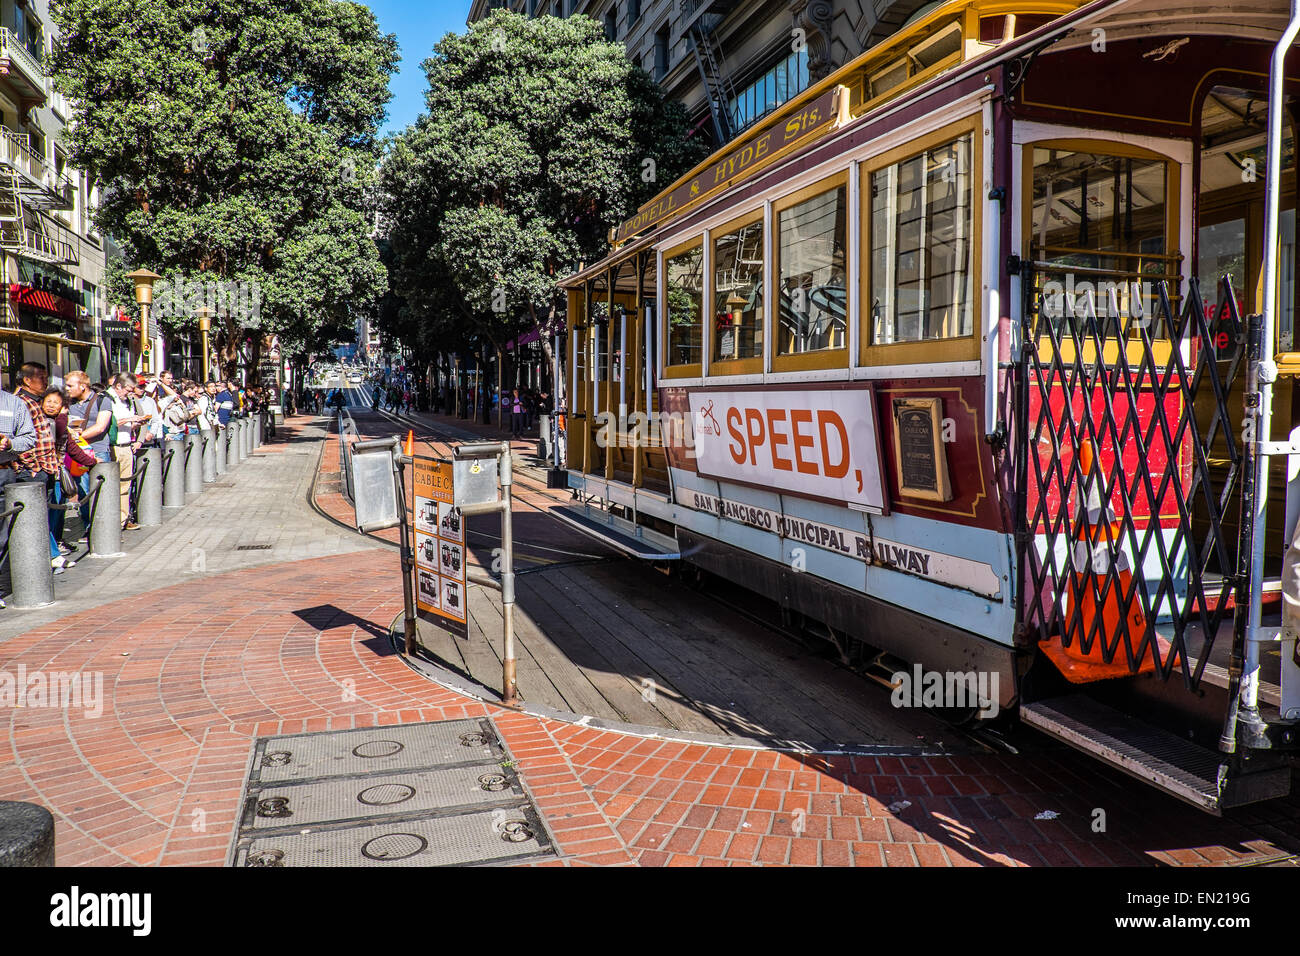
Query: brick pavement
(261, 505)
(193, 674)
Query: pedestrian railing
(347, 436)
(162, 478)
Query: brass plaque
(920, 460)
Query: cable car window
(738, 293)
(921, 233)
(811, 283)
(1100, 226)
(684, 284)
(598, 320)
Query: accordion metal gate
(1130, 474)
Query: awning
(29, 297)
(535, 334)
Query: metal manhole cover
(254, 547)
(378, 748)
(393, 846)
(386, 794)
(434, 794)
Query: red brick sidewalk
(194, 672)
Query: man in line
(225, 401)
(17, 435)
(40, 460)
(121, 388)
(91, 414)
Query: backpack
(94, 411)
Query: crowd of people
(54, 433)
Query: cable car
(980, 352)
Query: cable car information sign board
(439, 541)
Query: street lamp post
(205, 323)
(144, 280)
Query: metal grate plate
(434, 794)
(484, 837)
(373, 796)
(376, 750)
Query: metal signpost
(475, 492)
(379, 500)
(435, 571)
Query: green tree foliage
(233, 143)
(539, 136)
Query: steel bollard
(193, 465)
(241, 439)
(30, 575)
(544, 437)
(26, 835)
(220, 442)
(208, 442)
(259, 429)
(246, 426)
(173, 474)
(149, 488)
(105, 511)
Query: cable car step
(636, 540)
(1151, 754)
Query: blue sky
(419, 24)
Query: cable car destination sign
(826, 112)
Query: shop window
(684, 289)
(738, 292)
(921, 236)
(811, 283)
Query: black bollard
(26, 835)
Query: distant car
(356, 378)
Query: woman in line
(55, 405)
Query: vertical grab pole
(508, 683)
(1264, 371)
(408, 553)
(557, 386)
(622, 371)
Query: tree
(233, 143)
(539, 136)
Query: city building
(53, 259)
(732, 62)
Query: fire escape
(700, 20)
(31, 192)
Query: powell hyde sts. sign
(821, 114)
